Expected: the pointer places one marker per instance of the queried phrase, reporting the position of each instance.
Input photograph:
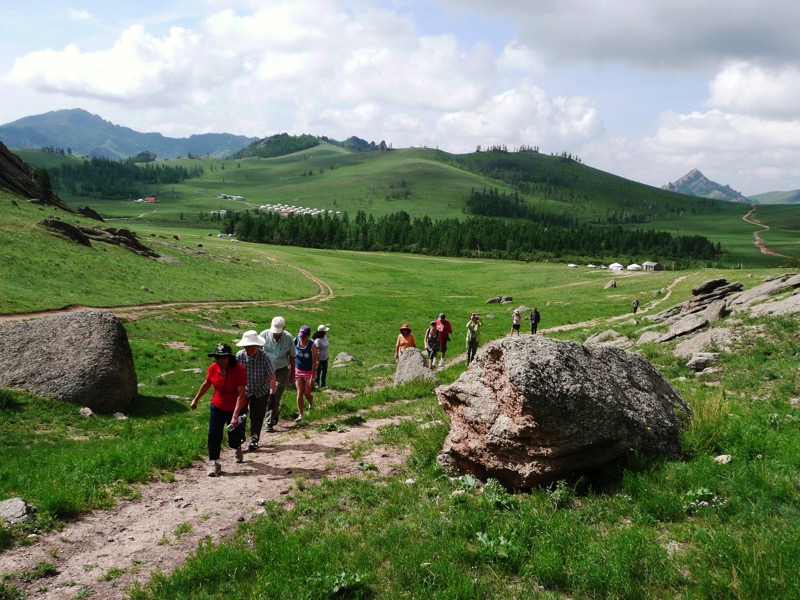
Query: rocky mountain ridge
(694, 183)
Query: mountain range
(84, 134)
(81, 133)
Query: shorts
(304, 375)
(443, 346)
(515, 326)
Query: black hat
(221, 350)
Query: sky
(644, 89)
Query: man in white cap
(279, 344)
(260, 381)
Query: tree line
(116, 179)
(475, 237)
(494, 203)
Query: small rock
(87, 412)
(723, 459)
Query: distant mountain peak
(694, 183)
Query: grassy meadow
(688, 528)
(424, 182)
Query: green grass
(429, 182)
(635, 534)
(638, 533)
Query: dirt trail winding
(132, 311)
(761, 244)
(104, 552)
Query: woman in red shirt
(229, 402)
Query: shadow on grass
(151, 407)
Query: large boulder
(81, 357)
(412, 365)
(532, 410)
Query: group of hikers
(253, 380)
(438, 333)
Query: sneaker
(239, 455)
(215, 469)
(269, 429)
(298, 419)
(253, 445)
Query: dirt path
(643, 309)
(106, 551)
(133, 311)
(761, 244)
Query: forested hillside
(476, 237)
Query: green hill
(792, 197)
(433, 184)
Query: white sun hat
(251, 338)
(278, 325)
(322, 328)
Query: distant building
(652, 266)
(151, 200)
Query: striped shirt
(259, 368)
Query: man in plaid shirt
(260, 381)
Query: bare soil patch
(137, 537)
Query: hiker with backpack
(444, 328)
(307, 356)
(432, 343)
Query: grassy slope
(46, 271)
(373, 182)
(610, 544)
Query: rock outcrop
(17, 178)
(413, 364)
(82, 357)
(531, 410)
(123, 238)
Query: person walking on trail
(432, 343)
(320, 338)
(635, 305)
(279, 344)
(260, 382)
(306, 357)
(535, 318)
(515, 322)
(405, 339)
(473, 336)
(228, 403)
(444, 328)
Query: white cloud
(751, 89)
(524, 115)
(139, 67)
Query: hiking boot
(215, 469)
(253, 445)
(239, 455)
(269, 429)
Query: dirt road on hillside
(761, 244)
(131, 312)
